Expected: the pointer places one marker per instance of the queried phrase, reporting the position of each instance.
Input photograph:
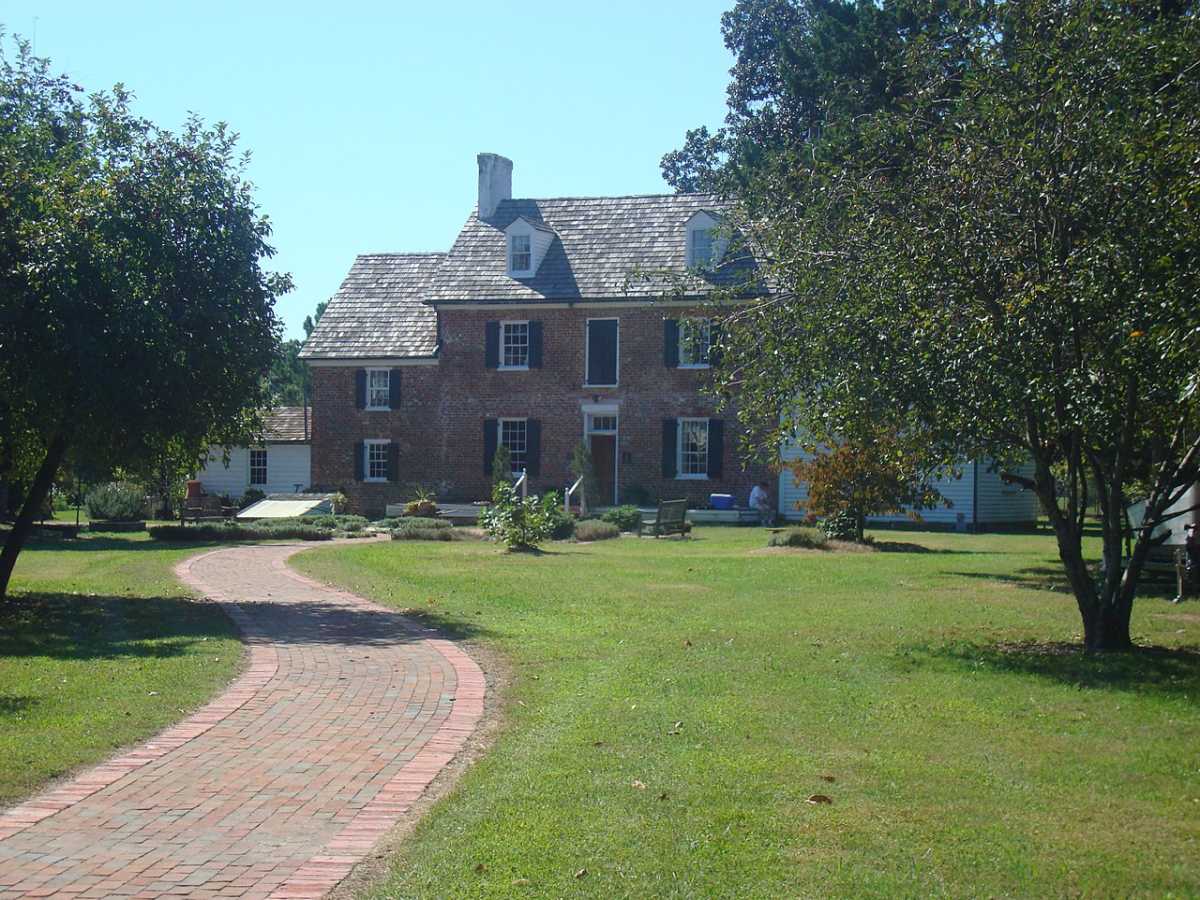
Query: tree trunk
(33, 503)
(1106, 627)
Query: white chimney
(495, 182)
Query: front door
(604, 461)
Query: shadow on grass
(908, 547)
(1152, 670)
(1052, 578)
(10, 706)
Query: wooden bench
(671, 519)
(205, 508)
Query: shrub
(116, 502)
(339, 503)
(234, 532)
(519, 523)
(411, 522)
(626, 518)
(595, 530)
(501, 467)
(841, 526)
(562, 523)
(426, 534)
(422, 508)
(252, 496)
(811, 538)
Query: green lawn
(673, 706)
(100, 647)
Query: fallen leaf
(687, 643)
(662, 796)
(519, 882)
(480, 867)
(828, 778)
(639, 785)
(819, 798)
(597, 743)
(582, 873)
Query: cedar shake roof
(603, 248)
(287, 424)
(379, 312)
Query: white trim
(587, 352)
(367, 445)
(376, 362)
(512, 270)
(501, 367)
(367, 399)
(653, 301)
(250, 482)
(694, 476)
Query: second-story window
(520, 253)
(695, 339)
(514, 345)
(379, 389)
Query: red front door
(604, 461)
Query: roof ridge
(404, 253)
(609, 197)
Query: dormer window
(520, 254)
(705, 241)
(702, 248)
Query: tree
(291, 382)
(991, 246)
(855, 480)
(136, 322)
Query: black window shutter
(535, 345)
(671, 343)
(602, 351)
(533, 447)
(358, 460)
(490, 434)
(716, 446)
(714, 343)
(394, 389)
(491, 349)
(393, 461)
(360, 389)
(670, 437)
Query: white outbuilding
(280, 464)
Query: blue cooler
(720, 501)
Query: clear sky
(364, 118)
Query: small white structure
(281, 464)
(980, 498)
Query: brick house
(547, 323)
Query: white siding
(998, 503)
(287, 466)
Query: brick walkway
(280, 785)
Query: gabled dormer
(526, 243)
(705, 241)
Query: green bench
(671, 519)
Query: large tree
(983, 220)
(136, 321)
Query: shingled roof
(379, 312)
(606, 248)
(287, 424)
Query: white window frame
(679, 473)
(684, 342)
(265, 464)
(367, 445)
(693, 256)
(503, 333)
(513, 268)
(587, 353)
(387, 377)
(524, 463)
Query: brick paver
(278, 787)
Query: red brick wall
(439, 427)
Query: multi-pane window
(379, 389)
(376, 463)
(258, 466)
(702, 247)
(514, 436)
(514, 345)
(520, 254)
(601, 423)
(695, 338)
(693, 448)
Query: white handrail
(523, 484)
(582, 497)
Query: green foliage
(117, 502)
(562, 523)
(427, 534)
(981, 222)
(423, 504)
(252, 496)
(583, 467)
(289, 381)
(626, 518)
(595, 530)
(310, 322)
(843, 526)
(414, 522)
(340, 504)
(807, 538)
(229, 531)
(501, 466)
(518, 523)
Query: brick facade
(439, 426)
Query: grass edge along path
(100, 648)
(675, 704)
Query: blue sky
(364, 118)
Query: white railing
(582, 497)
(522, 484)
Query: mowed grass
(100, 647)
(674, 704)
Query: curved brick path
(280, 785)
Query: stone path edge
(262, 667)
